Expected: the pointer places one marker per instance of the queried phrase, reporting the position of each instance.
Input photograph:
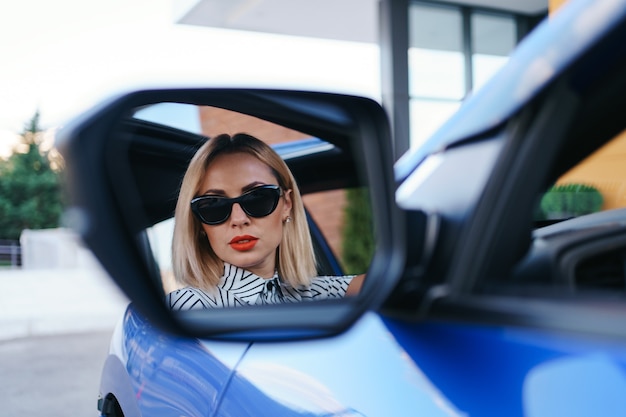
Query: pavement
(51, 301)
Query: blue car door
(363, 372)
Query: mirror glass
(158, 141)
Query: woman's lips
(243, 243)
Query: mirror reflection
(243, 211)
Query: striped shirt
(238, 287)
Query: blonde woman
(241, 235)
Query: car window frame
(476, 289)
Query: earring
(287, 220)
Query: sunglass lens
(261, 202)
(213, 210)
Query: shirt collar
(249, 287)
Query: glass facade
(453, 50)
(493, 37)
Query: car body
(473, 304)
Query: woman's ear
(288, 204)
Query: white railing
(10, 254)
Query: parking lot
(55, 327)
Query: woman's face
(245, 241)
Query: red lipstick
(243, 243)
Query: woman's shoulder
(189, 298)
(326, 287)
(332, 279)
(192, 298)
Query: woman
(241, 235)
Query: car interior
(580, 249)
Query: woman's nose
(237, 215)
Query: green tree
(358, 237)
(30, 190)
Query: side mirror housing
(125, 160)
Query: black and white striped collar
(249, 287)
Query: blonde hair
(194, 262)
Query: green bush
(570, 200)
(357, 237)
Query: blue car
(496, 281)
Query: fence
(10, 253)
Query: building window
(436, 63)
(493, 37)
(452, 51)
(436, 67)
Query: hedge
(570, 200)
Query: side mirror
(125, 161)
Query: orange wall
(553, 5)
(215, 121)
(606, 170)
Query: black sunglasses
(258, 202)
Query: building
(433, 53)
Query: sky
(61, 57)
